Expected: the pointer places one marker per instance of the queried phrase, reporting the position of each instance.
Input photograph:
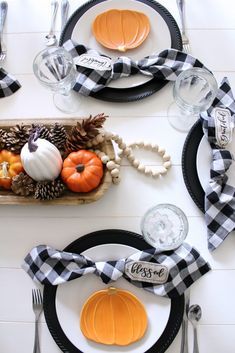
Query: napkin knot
(218, 124)
(95, 70)
(110, 270)
(165, 274)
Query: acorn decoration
(41, 159)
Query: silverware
(185, 40)
(3, 14)
(51, 37)
(194, 315)
(184, 338)
(64, 12)
(37, 308)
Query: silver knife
(64, 12)
(184, 339)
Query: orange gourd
(10, 166)
(121, 29)
(113, 316)
(82, 171)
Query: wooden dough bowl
(7, 197)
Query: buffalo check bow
(218, 123)
(8, 84)
(166, 274)
(166, 65)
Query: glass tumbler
(55, 69)
(164, 226)
(194, 91)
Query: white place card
(94, 62)
(144, 271)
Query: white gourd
(41, 159)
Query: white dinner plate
(164, 33)
(72, 295)
(63, 304)
(157, 40)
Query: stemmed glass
(55, 69)
(194, 91)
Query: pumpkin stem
(80, 168)
(5, 174)
(32, 139)
(112, 290)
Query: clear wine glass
(164, 226)
(194, 91)
(55, 69)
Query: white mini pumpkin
(41, 159)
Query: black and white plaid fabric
(166, 65)
(219, 196)
(8, 84)
(182, 267)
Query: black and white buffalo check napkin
(165, 274)
(8, 84)
(166, 65)
(218, 123)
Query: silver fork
(37, 308)
(185, 40)
(3, 14)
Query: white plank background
(211, 29)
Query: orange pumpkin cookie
(121, 29)
(113, 316)
(82, 171)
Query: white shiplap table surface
(211, 29)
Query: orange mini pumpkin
(82, 171)
(10, 166)
(113, 316)
(121, 29)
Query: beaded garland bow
(165, 274)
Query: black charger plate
(189, 165)
(143, 90)
(109, 236)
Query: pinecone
(22, 185)
(17, 138)
(43, 131)
(49, 190)
(58, 136)
(3, 139)
(83, 132)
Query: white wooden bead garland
(127, 151)
(112, 166)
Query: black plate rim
(189, 165)
(122, 95)
(109, 236)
